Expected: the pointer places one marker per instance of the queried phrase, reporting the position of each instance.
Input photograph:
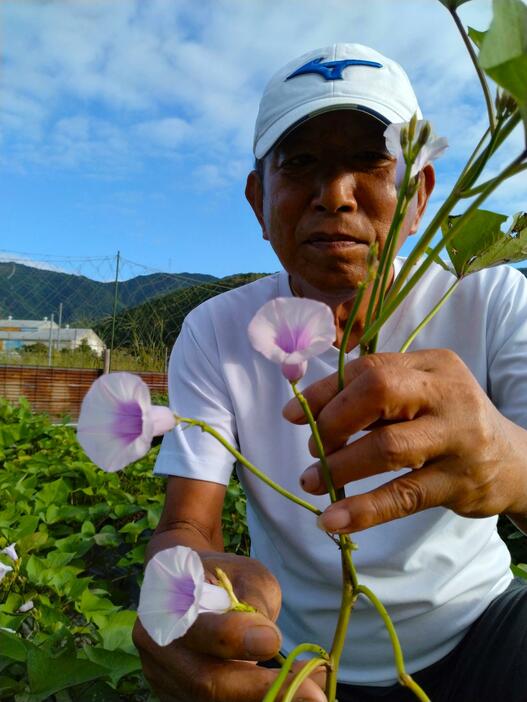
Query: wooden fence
(59, 391)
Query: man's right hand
(216, 660)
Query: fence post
(107, 356)
(50, 341)
(114, 313)
(60, 323)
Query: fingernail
(261, 641)
(293, 410)
(310, 478)
(333, 519)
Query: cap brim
(283, 126)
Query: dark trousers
(488, 665)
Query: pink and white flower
(432, 149)
(174, 593)
(10, 551)
(118, 421)
(4, 570)
(291, 330)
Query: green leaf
(480, 242)
(477, 36)
(520, 570)
(47, 675)
(118, 632)
(8, 686)
(55, 492)
(117, 662)
(13, 647)
(98, 691)
(93, 606)
(503, 53)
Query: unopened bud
(411, 127)
(424, 134)
(505, 104)
(404, 138)
(372, 259)
(509, 104)
(498, 102)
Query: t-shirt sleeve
(507, 344)
(196, 389)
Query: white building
(15, 333)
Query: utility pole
(50, 341)
(58, 330)
(114, 313)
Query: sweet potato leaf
(481, 243)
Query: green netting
(81, 306)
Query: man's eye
(374, 156)
(296, 161)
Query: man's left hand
(422, 410)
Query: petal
(165, 608)
(161, 420)
(111, 427)
(392, 137)
(430, 151)
(10, 551)
(214, 599)
(292, 325)
(4, 570)
(294, 371)
(26, 607)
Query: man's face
(328, 193)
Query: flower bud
(411, 128)
(404, 137)
(424, 135)
(505, 103)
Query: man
(323, 191)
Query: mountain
(33, 293)
(155, 324)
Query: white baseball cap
(341, 76)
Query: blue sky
(127, 124)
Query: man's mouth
(335, 240)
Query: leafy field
(80, 536)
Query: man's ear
(427, 181)
(254, 195)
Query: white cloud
(168, 133)
(101, 85)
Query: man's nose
(336, 192)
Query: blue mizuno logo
(331, 70)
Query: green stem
(318, 443)
(481, 75)
(347, 331)
(302, 674)
(475, 154)
(375, 300)
(347, 601)
(322, 655)
(465, 178)
(349, 575)
(480, 188)
(397, 296)
(252, 468)
(387, 269)
(396, 646)
(429, 316)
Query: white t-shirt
(435, 571)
